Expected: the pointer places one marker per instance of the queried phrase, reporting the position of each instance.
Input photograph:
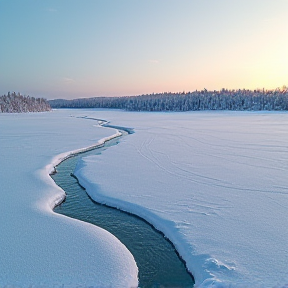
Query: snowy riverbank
(39, 248)
(214, 182)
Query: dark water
(156, 258)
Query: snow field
(39, 248)
(214, 182)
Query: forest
(238, 100)
(17, 103)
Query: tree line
(237, 100)
(17, 103)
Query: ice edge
(50, 169)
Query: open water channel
(157, 260)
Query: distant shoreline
(232, 100)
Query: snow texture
(39, 248)
(214, 182)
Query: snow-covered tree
(17, 103)
(224, 99)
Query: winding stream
(158, 262)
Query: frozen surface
(39, 248)
(214, 182)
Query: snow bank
(214, 182)
(51, 167)
(39, 248)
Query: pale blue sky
(85, 48)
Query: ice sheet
(214, 182)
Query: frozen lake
(214, 182)
(157, 261)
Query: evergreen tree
(17, 103)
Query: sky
(87, 48)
